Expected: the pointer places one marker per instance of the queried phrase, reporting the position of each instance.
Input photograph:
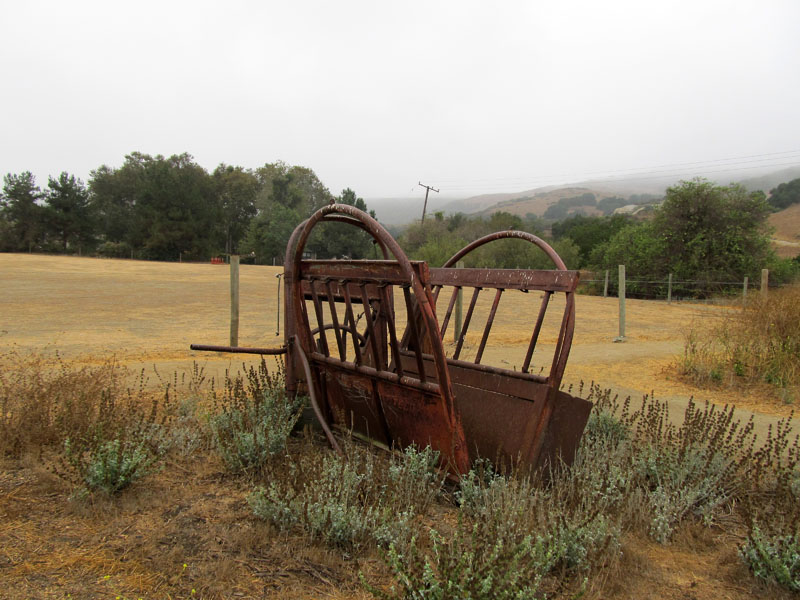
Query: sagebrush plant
(110, 466)
(468, 563)
(353, 501)
(774, 559)
(253, 420)
(759, 341)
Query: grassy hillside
(786, 238)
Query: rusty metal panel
(563, 435)
(495, 424)
(416, 417)
(355, 404)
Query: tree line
(171, 208)
(701, 231)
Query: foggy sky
(470, 97)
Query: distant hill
(399, 211)
(786, 239)
(771, 180)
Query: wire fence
(607, 284)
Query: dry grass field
(187, 532)
(145, 315)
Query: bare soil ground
(146, 315)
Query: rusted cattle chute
(399, 387)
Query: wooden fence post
(459, 307)
(764, 282)
(744, 289)
(605, 286)
(621, 337)
(234, 299)
(669, 289)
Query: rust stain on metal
(398, 387)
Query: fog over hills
(399, 211)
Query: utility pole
(425, 206)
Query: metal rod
(449, 310)
(415, 338)
(348, 309)
(392, 332)
(466, 322)
(428, 387)
(537, 328)
(323, 339)
(488, 327)
(335, 320)
(313, 398)
(238, 349)
(373, 340)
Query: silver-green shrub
(773, 558)
(254, 421)
(354, 501)
(112, 465)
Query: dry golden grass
(191, 513)
(145, 315)
(786, 239)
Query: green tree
(785, 194)
(702, 231)
(21, 211)
(288, 194)
(68, 214)
(163, 207)
(336, 240)
(236, 190)
(589, 232)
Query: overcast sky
(466, 96)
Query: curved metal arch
(510, 234)
(350, 214)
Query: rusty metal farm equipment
(363, 340)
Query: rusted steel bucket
(345, 349)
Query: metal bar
(335, 320)
(488, 327)
(435, 289)
(392, 332)
(348, 309)
(374, 271)
(373, 340)
(415, 337)
(323, 339)
(488, 369)
(508, 279)
(449, 311)
(389, 376)
(238, 349)
(313, 397)
(466, 322)
(536, 330)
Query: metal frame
(404, 389)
